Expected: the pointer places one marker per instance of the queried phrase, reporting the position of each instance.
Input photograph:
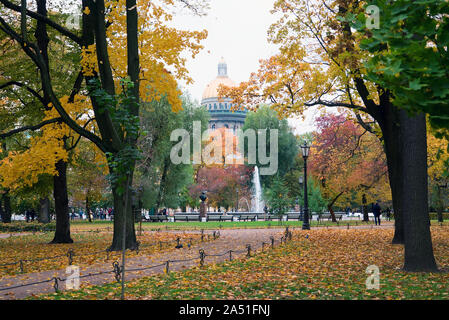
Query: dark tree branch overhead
(49, 22)
(32, 128)
(22, 85)
(34, 53)
(335, 104)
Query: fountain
(257, 201)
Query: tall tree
(320, 64)
(347, 160)
(407, 55)
(111, 31)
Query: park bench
(328, 216)
(247, 217)
(265, 217)
(158, 218)
(293, 216)
(219, 217)
(187, 217)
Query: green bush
(22, 226)
(433, 216)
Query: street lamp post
(301, 212)
(305, 154)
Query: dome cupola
(222, 68)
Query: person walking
(32, 214)
(388, 212)
(377, 212)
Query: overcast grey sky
(238, 32)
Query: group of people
(99, 213)
(377, 212)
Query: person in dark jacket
(377, 212)
(388, 212)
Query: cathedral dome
(222, 78)
(211, 90)
(221, 110)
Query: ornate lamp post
(305, 154)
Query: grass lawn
(315, 264)
(210, 225)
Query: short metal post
(167, 267)
(248, 247)
(202, 256)
(70, 254)
(56, 285)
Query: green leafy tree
(267, 118)
(277, 197)
(410, 55)
(407, 56)
(161, 180)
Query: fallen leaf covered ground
(88, 248)
(315, 264)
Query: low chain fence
(117, 269)
(71, 254)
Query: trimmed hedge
(22, 226)
(434, 216)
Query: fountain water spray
(257, 201)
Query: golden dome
(211, 90)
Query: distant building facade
(221, 115)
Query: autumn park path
(96, 274)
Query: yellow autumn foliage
(162, 65)
(22, 169)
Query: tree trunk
(162, 183)
(119, 213)
(44, 210)
(391, 132)
(365, 213)
(2, 213)
(88, 207)
(6, 215)
(62, 234)
(440, 205)
(418, 253)
(331, 210)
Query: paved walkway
(231, 239)
(14, 234)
